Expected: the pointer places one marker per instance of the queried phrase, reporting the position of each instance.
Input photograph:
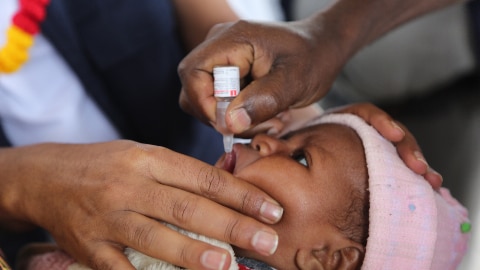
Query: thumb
(260, 101)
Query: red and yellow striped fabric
(20, 34)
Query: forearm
(195, 18)
(34, 180)
(362, 22)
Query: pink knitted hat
(411, 226)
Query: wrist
(14, 198)
(332, 30)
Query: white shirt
(45, 102)
(258, 10)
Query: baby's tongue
(229, 162)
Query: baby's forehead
(331, 132)
(344, 144)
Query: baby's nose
(267, 145)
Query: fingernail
(271, 211)
(398, 128)
(213, 260)
(272, 131)
(265, 243)
(420, 157)
(240, 119)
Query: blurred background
(423, 74)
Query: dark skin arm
(96, 199)
(195, 18)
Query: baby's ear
(346, 258)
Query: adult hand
(97, 199)
(407, 146)
(287, 66)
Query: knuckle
(232, 231)
(97, 262)
(183, 68)
(248, 202)
(182, 99)
(143, 236)
(251, 202)
(185, 103)
(135, 234)
(185, 255)
(210, 182)
(183, 210)
(137, 154)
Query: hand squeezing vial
(226, 87)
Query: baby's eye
(299, 156)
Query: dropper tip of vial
(228, 143)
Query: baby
(349, 202)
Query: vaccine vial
(226, 86)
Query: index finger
(189, 174)
(196, 96)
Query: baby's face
(311, 173)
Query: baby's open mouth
(230, 160)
